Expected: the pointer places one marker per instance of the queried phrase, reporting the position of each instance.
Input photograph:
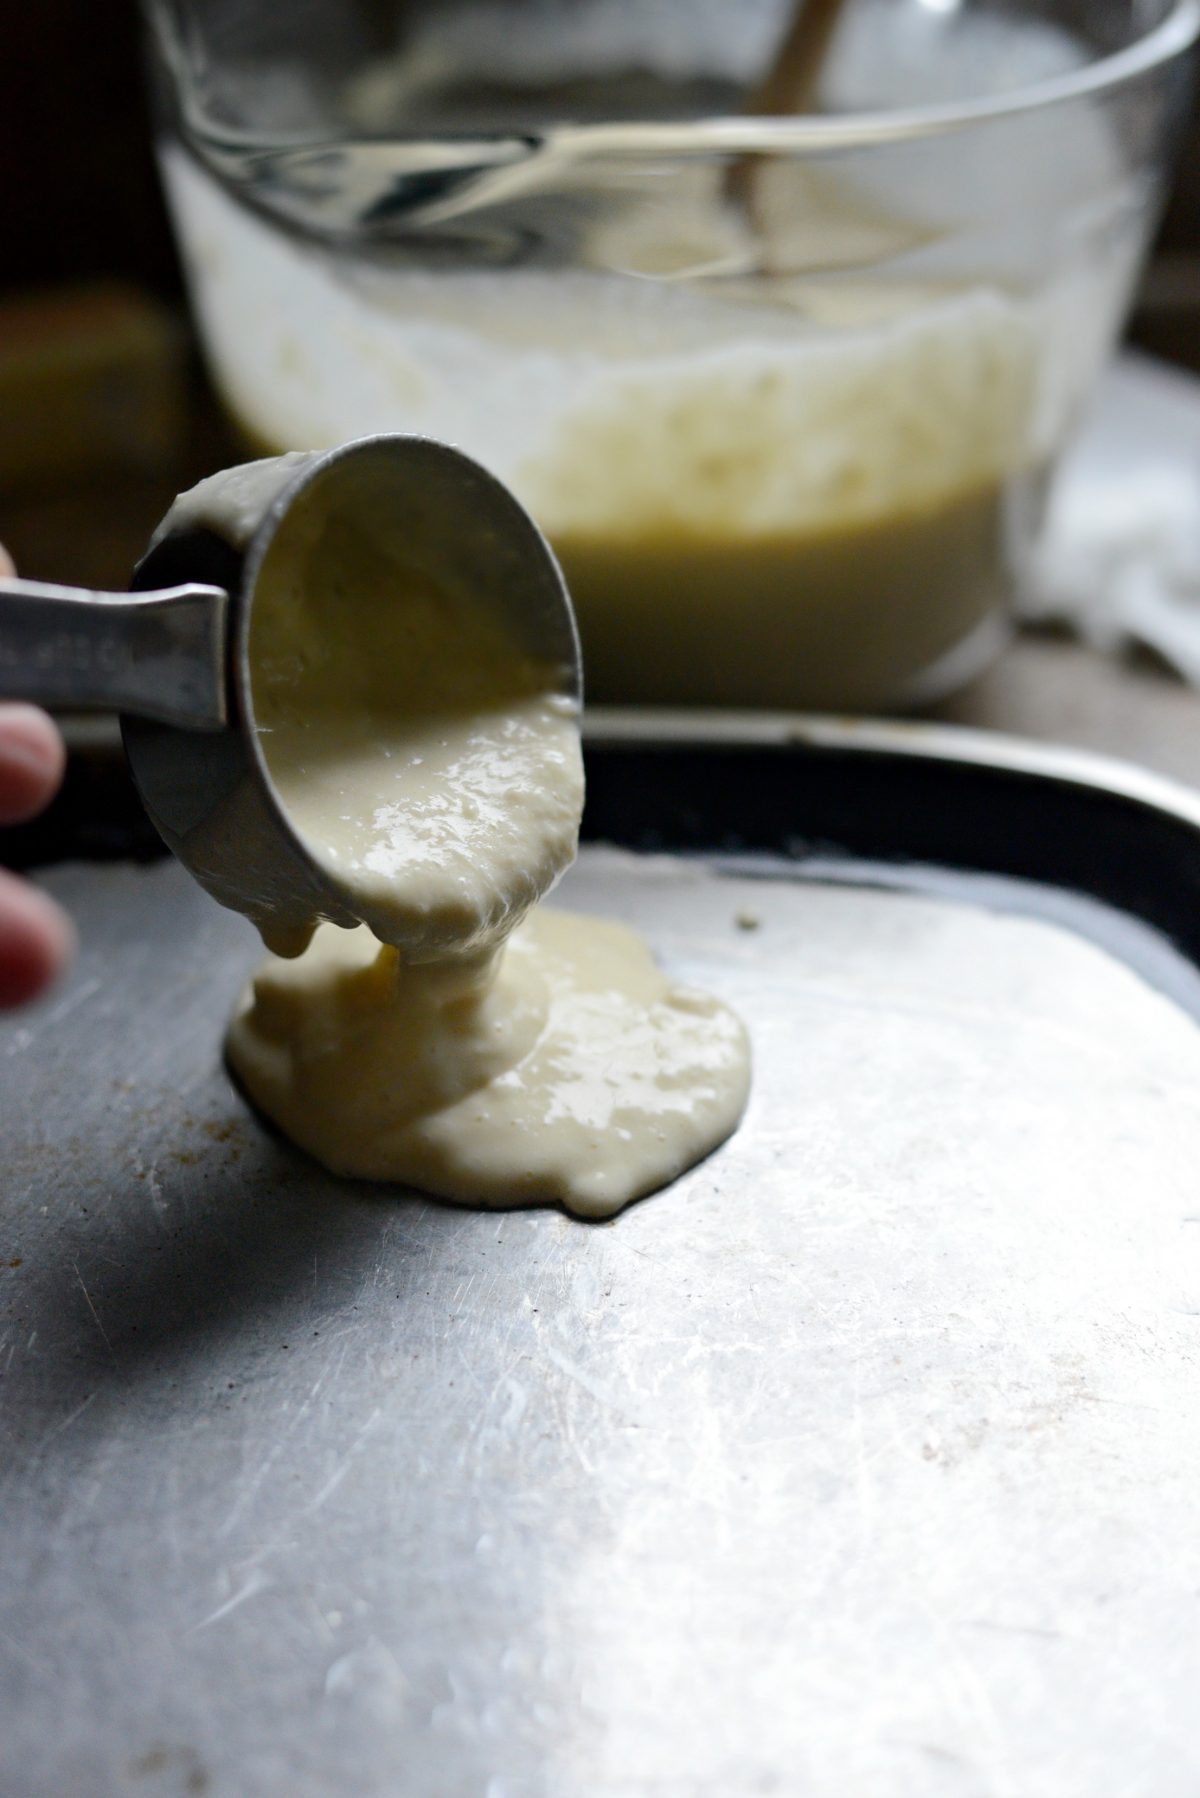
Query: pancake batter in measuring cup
(460, 1040)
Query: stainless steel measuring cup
(172, 656)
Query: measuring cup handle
(157, 655)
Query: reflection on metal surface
(819, 1472)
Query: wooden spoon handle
(793, 80)
(790, 85)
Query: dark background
(79, 197)
(78, 192)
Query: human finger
(31, 762)
(36, 940)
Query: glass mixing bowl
(783, 391)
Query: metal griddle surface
(863, 1461)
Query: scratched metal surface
(866, 1460)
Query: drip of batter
(454, 1042)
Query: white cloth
(1119, 561)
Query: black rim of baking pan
(1032, 826)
